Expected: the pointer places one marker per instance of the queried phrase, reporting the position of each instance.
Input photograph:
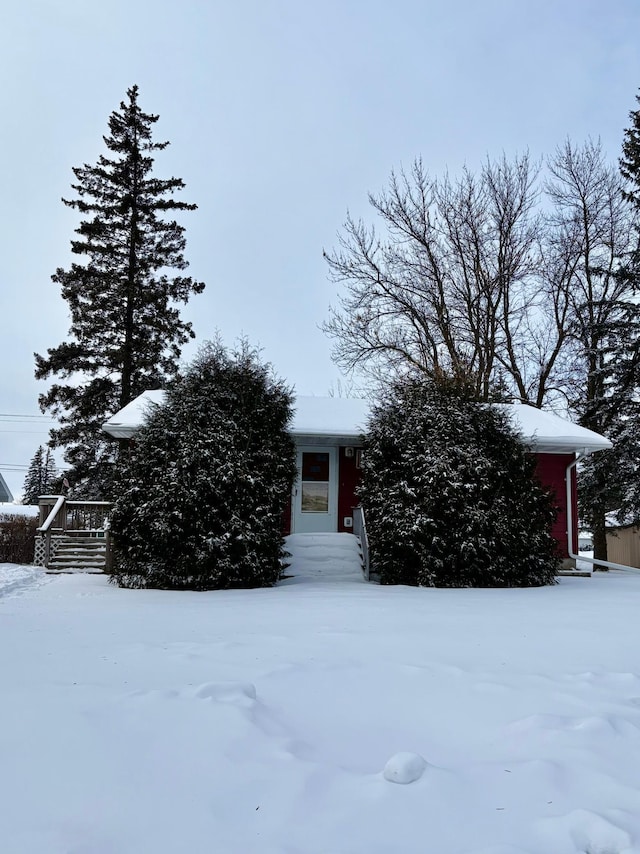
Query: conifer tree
(201, 495)
(41, 476)
(609, 480)
(126, 332)
(630, 160)
(450, 494)
(625, 356)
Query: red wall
(348, 479)
(551, 469)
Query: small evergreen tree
(126, 333)
(201, 496)
(450, 494)
(41, 478)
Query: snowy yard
(260, 721)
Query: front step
(79, 554)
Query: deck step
(79, 554)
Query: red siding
(348, 479)
(552, 469)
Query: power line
(22, 415)
(24, 432)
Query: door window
(315, 483)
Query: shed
(623, 544)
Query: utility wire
(22, 415)
(35, 432)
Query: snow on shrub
(201, 494)
(450, 494)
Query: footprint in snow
(241, 693)
(588, 831)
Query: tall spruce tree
(41, 476)
(126, 332)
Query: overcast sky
(281, 115)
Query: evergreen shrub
(450, 494)
(200, 495)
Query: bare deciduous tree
(509, 279)
(494, 276)
(453, 285)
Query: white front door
(315, 498)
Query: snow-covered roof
(346, 418)
(333, 417)
(5, 492)
(549, 433)
(127, 421)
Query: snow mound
(404, 768)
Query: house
(328, 436)
(5, 493)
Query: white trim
(315, 523)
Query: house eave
(568, 446)
(120, 431)
(308, 437)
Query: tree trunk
(599, 539)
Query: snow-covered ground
(260, 722)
